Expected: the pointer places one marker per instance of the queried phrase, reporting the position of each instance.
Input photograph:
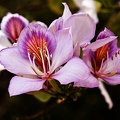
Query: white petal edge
(9, 16)
(66, 13)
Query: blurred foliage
(57, 7)
(90, 105)
(109, 16)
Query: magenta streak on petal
(13, 28)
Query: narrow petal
(82, 26)
(66, 13)
(4, 42)
(20, 85)
(105, 95)
(75, 70)
(11, 59)
(90, 82)
(113, 80)
(64, 49)
(99, 43)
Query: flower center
(39, 56)
(101, 56)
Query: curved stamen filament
(33, 65)
(114, 61)
(43, 63)
(30, 58)
(106, 65)
(48, 57)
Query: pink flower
(40, 56)
(81, 24)
(103, 59)
(11, 26)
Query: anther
(118, 51)
(116, 54)
(112, 57)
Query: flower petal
(90, 82)
(64, 49)
(12, 24)
(11, 59)
(66, 13)
(56, 25)
(82, 26)
(105, 95)
(113, 45)
(113, 80)
(75, 70)
(76, 49)
(1, 67)
(88, 6)
(99, 43)
(4, 42)
(19, 85)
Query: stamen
(107, 61)
(118, 51)
(43, 63)
(30, 58)
(116, 54)
(112, 74)
(48, 58)
(33, 65)
(101, 64)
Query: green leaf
(42, 96)
(55, 85)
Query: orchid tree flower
(87, 6)
(81, 24)
(103, 59)
(41, 56)
(11, 26)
